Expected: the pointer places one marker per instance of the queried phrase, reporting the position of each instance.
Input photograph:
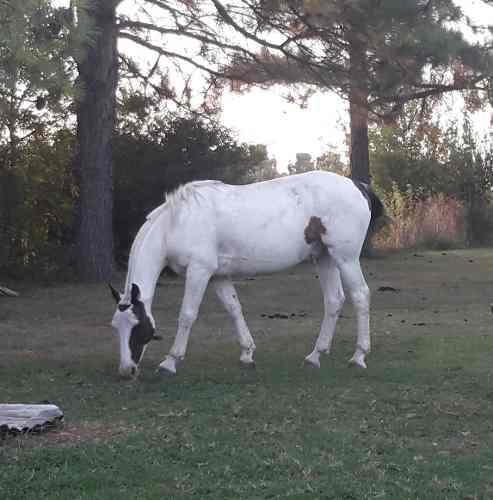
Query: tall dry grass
(437, 222)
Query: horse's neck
(147, 258)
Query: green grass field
(417, 424)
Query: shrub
(35, 224)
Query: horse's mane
(188, 192)
(182, 194)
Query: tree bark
(358, 109)
(359, 156)
(358, 116)
(98, 75)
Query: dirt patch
(68, 435)
(73, 435)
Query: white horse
(210, 231)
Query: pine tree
(378, 54)
(34, 75)
(96, 114)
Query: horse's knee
(361, 297)
(333, 304)
(187, 318)
(234, 308)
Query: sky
(266, 117)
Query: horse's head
(135, 327)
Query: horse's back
(260, 227)
(314, 193)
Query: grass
(416, 425)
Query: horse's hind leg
(355, 284)
(333, 294)
(197, 279)
(229, 298)
(343, 239)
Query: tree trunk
(358, 109)
(98, 74)
(358, 115)
(360, 161)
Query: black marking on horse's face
(142, 333)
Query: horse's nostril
(133, 370)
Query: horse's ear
(116, 295)
(135, 294)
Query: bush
(178, 151)
(479, 218)
(37, 217)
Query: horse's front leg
(333, 293)
(229, 298)
(197, 278)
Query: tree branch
(172, 55)
(188, 34)
(131, 68)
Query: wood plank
(24, 417)
(8, 292)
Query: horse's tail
(377, 208)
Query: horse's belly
(240, 258)
(252, 239)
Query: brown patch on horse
(314, 230)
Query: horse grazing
(210, 231)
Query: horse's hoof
(357, 361)
(250, 365)
(164, 372)
(311, 361)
